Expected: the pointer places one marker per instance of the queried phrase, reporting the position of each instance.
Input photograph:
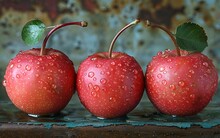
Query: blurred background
(106, 18)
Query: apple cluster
(41, 81)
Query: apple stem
(82, 24)
(148, 23)
(117, 35)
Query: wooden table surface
(76, 121)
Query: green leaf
(191, 37)
(33, 31)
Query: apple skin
(40, 85)
(181, 85)
(110, 87)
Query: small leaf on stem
(191, 37)
(33, 31)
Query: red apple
(110, 87)
(110, 84)
(179, 82)
(40, 85)
(181, 85)
(41, 81)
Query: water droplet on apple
(122, 76)
(170, 67)
(50, 70)
(49, 57)
(54, 86)
(113, 63)
(19, 66)
(19, 61)
(195, 66)
(108, 73)
(18, 76)
(162, 69)
(24, 73)
(94, 79)
(50, 78)
(205, 64)
(159, 76)
(27, 67)
(164, 72)
(93, 93)
(192, 96)
(119, 65)
(112, 99)
(90, 86)
(181, 83)
(135, 71)
(37, 75)
(93, 58)
(169, 60)
(164, 82)
(4, 83)
(12, 65)
(208, 71)
(191, 71)
(45, 88)
(60, 70)
(40, 59)
(172, 87)
(124, 87)
(124, 70)
(51, 64)
(189, 76)
(103, 81)
(96, 88)
(91, 74)
(98, 65)
(102, 73)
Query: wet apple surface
(40, 84)
(181, 85)
(110, 87)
